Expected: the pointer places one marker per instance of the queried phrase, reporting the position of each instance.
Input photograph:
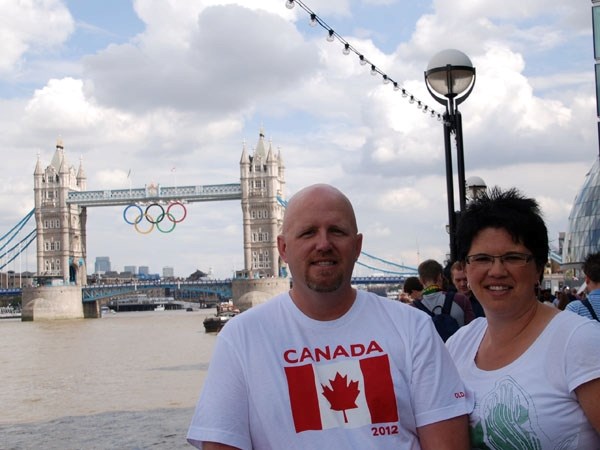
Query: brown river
(126, 381)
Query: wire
(332, 35)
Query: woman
(534, 370)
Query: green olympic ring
(171, 218)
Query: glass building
(583, 236)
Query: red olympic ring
(138, 218)
(171, 218)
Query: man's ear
(281, 247)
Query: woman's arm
(588, 395)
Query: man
(459, 280)
(432, 278)
(591, 269)
(326, 366)
(412, 289)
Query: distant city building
(102, 264)
(131, 269)
(168, 272)
(144, 270)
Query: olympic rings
(150, 212)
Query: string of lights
(332, 36)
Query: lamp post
(475, 186)
(450, 78)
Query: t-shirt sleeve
(582, 355)
(221, 413)
(438, 391)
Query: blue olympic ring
(138, 218)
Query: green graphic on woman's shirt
(509, 419)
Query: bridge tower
(61, 227)
(262, 181)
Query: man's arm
(217, 446)
(451, 434)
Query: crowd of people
(328, 366)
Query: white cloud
(32, 25)
(205, 75)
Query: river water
(126, 381)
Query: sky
(168, 92)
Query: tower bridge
(60, 211)
(62, 199)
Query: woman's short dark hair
(520, 216)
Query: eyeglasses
(508, 259)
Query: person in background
(534, 371)
(459, 280)
(431, 276)
(326, 366)
(413, 289)
(591, 269)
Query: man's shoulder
(457, 297)
(574, 306)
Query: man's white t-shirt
(280, 380)
(531, 403)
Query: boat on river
(214, 323)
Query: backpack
(588, 305)
(445, 324)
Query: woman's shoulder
(468, 334)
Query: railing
(156, 193)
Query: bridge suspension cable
(13, 252)
(388, 267)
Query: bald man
(325, 365)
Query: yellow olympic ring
(150, 219)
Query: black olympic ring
(149, 217)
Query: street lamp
(475, 186)
(450, 78)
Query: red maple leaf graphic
(341, 395)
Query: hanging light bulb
(412, 99)
(330, 36)
(386, 80)
(373, 70)
(289, 4)
(346, 50)
(313, 20)
(362, 60)
(396, 87)
(404, 93)
(419, 105)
